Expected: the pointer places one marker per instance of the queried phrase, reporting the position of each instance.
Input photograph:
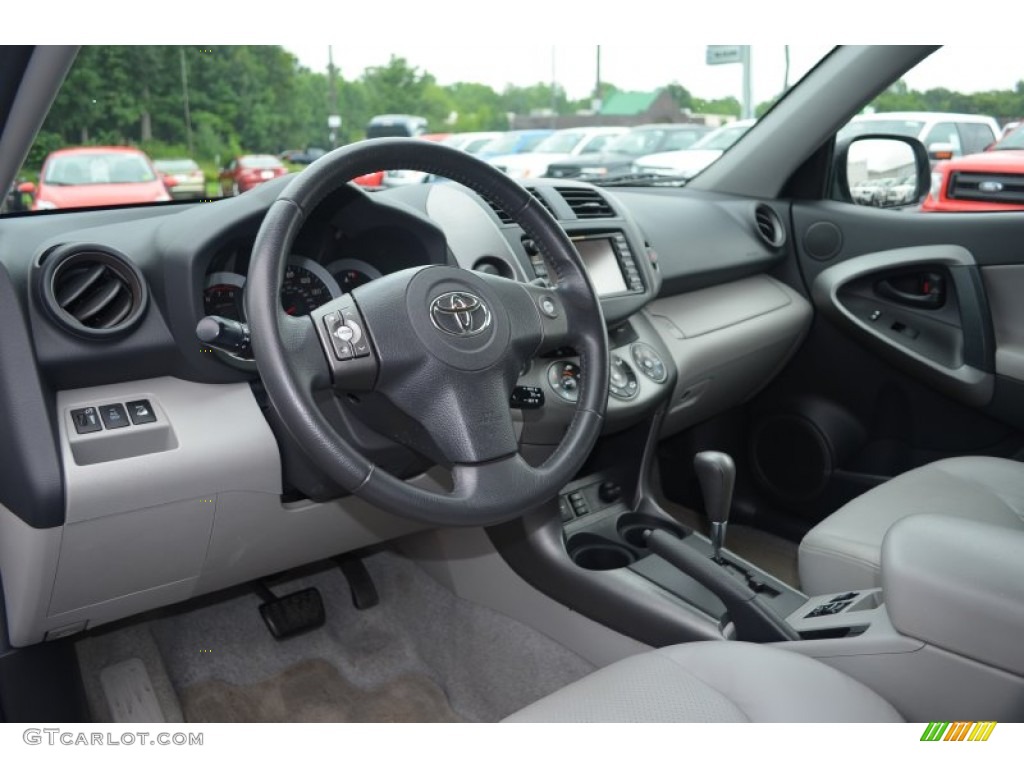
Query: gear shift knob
(717, 476)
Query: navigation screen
(602, 264)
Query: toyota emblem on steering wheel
(460, 314)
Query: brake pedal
(292, 614)
(360, 582)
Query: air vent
(92, 291)
(769, 226)
(498, 210)
(536, 193)
(586, 203)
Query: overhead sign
(724, 54)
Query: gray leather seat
(843, 551)
(712, 682)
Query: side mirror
(940, 150)
(27, 188)
(881, 170)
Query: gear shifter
(717, 475)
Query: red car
(92, 176)
(992, 180)
(248, 171)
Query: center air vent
(91, 290)
(498, 210)
(543, 201)
(769, 225)
(586, 203)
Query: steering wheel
(437, 349)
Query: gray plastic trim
(1005, 289)
(28, 565)
(957, 584)
(221, 442)
(39, 86)
(465, 561)
(727, 342)
(965, 382)
(470, 231)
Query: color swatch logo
(958, 731)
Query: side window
(976, 137)
(944, 133)
(596, 144)
(960, 111)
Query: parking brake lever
(754, 620)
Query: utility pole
(554, 96)
(596, 106)
(334, 117)
(748, 99)
(184, 98)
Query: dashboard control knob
(622, 381)
(227, 335)
(609, 491)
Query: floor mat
(313, 691)
(420, 639)
(774, 554)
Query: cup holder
(596, 553)
(631, 528)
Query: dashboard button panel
(114, 416)
(649, 362)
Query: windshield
(721, 139)
(910, 128)
(211, 109)
(97, 168)
(260, 161)
(1014, 140)
(561, 143)
(636, 142)
(176, 166)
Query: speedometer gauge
(351, 273)
(222, 295)
(306, 286)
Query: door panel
(863, 399)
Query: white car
(944, 134)
(687, 163)
(471, 141)
(560, 145)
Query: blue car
(514, 142)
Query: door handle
(920, 290)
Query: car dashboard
(146, 467)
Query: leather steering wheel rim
(294, 355)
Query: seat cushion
(712, 682)
(843, 551)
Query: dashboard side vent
(498, 210)
(769, 225)
(586, 203)
(543, 201)
(92, 291)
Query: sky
(655, 41)
(630, 67)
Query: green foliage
(1003, 104)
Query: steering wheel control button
(527, 398)
(564, 378)
(460, 313)
(622, 382)
(114, 416)
(86, 420)
(140, 412)
(353, 328)
(548, 307)
(649, 363)
(340, 336)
